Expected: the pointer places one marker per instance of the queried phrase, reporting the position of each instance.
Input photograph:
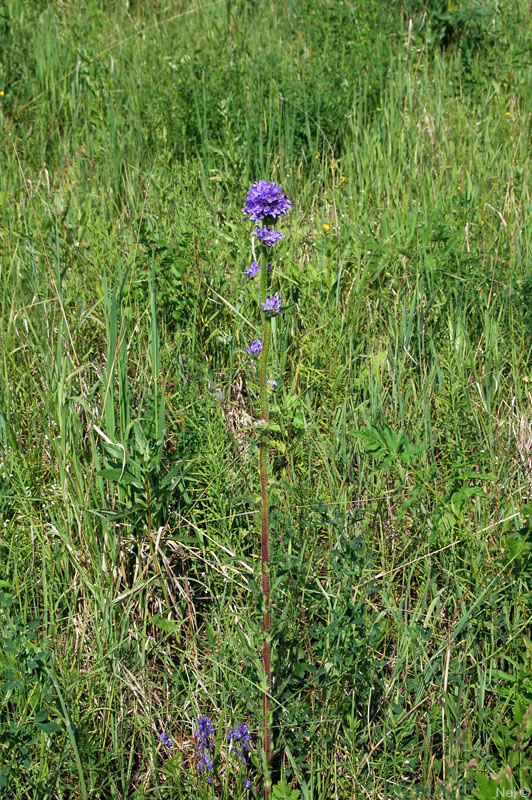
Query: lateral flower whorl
(268, 236)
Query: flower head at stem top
(273, 304)
(266, 200)
(255, 347)
(268, 236)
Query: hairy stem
(265, 540)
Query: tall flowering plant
(265, 204)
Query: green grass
(402, 578)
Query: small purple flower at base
(204, 732)
(205, 746)
(253, 270)
(239, 739)
(255, 347)
(206, 763)
(268, 236)
(266, 199)
(166, 741)
(273, 304)
(272, 384)
(247, 783)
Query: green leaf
(298, 422)
(282, 791)
(43, 723)
(115, 451)
(120, 476)
(169, 477)
(169, 625)
(211, 636)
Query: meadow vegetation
(401, 542)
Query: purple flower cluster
(255, 347)
(268, 236)
(166, 741)
(273, 304)
(205, 746)
(239, 740)
(253, 270)
(264, 200)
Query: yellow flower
(1, 93)
(507, 113)
(343, 178)
(317, 154)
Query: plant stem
(265, 540)
(153, 552)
